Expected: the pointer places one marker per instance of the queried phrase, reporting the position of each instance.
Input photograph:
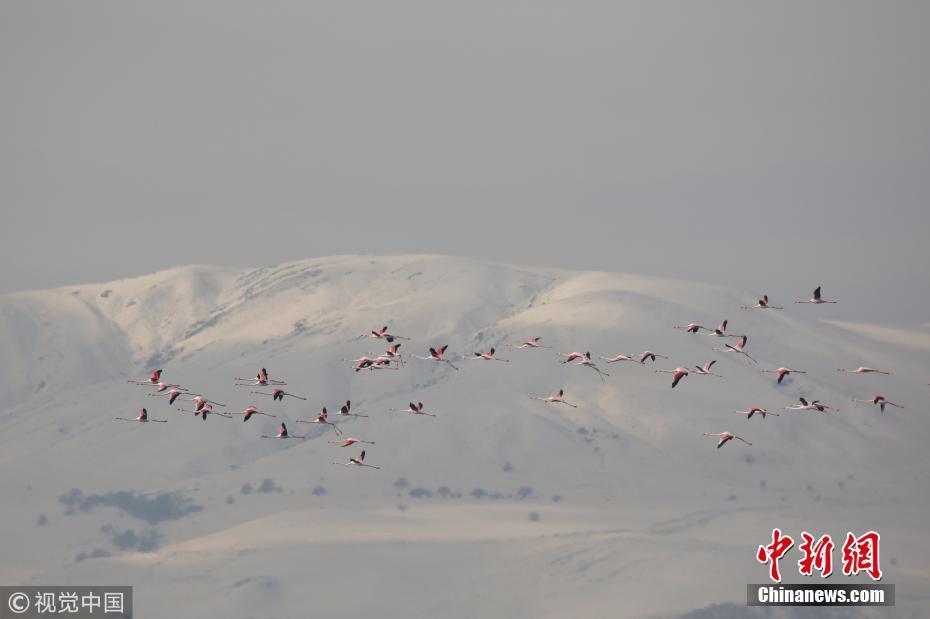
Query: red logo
(860, 554)
(773, 552)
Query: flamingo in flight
(618, 358)
(200, 402)
(252, 410)
(863, 370)
(350, 441)
(153, 379)
(278, 394)
(810, 406)
(345, 408)
(261, 380)
(173, 395)
(585, 361)
(142, 418)
(738, 347)
(414, 409)
(487, 356)
(725, 437)
(817, 299)
(436, 354)
(721, 330)
(357, 461)
(381, 363)
(282, 433)
(648, 354)
(530, 343)
(323, 418)
(762, 303)
(382, 334)
(704, 370)
(679, 373)
(205, 409)
(571, 356)
(391, 354)
(159, 387)
(880, 401)
(555, 398)
(756, 410)
(692, 327)
(782, 372)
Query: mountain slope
(630, 456)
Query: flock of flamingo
(392, 360)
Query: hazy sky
(768, 146)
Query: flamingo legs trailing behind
(278, 394)
(754, 410)
(357, 461)
(413, 409)
(726, 436)
(282, 433)
(817, 299)
(436, 354)
(782, 372)
(880, 401)
(143, 417)
(555, 398)
(737, 348)
(679, 373)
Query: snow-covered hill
(614, 493)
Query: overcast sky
(767, 146)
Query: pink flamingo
(173, 395)
(863, 370)
(762, 303)
(692, 327)
(278, 394)
(530, 343)
(726, 436)
(704, 370)
(488, 356)
(261, 380)
(323, 418)
(810, 406)
(436, 354)
(571, 356)
(350, 441)
(391, 354)
(204, 409)
(153, 379)
(382, 334)
(345, 408)
(817, 298)
(679, 373)
(252, 410)
(782, 372)
(738, 348)
(357, 461)
(282, 433)
(414, 409)
(756, 409)
(555, 398)
(143, 418)
(619, 358)
(648, 354)
(721, 330)
(586, 362)
(880, 401)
